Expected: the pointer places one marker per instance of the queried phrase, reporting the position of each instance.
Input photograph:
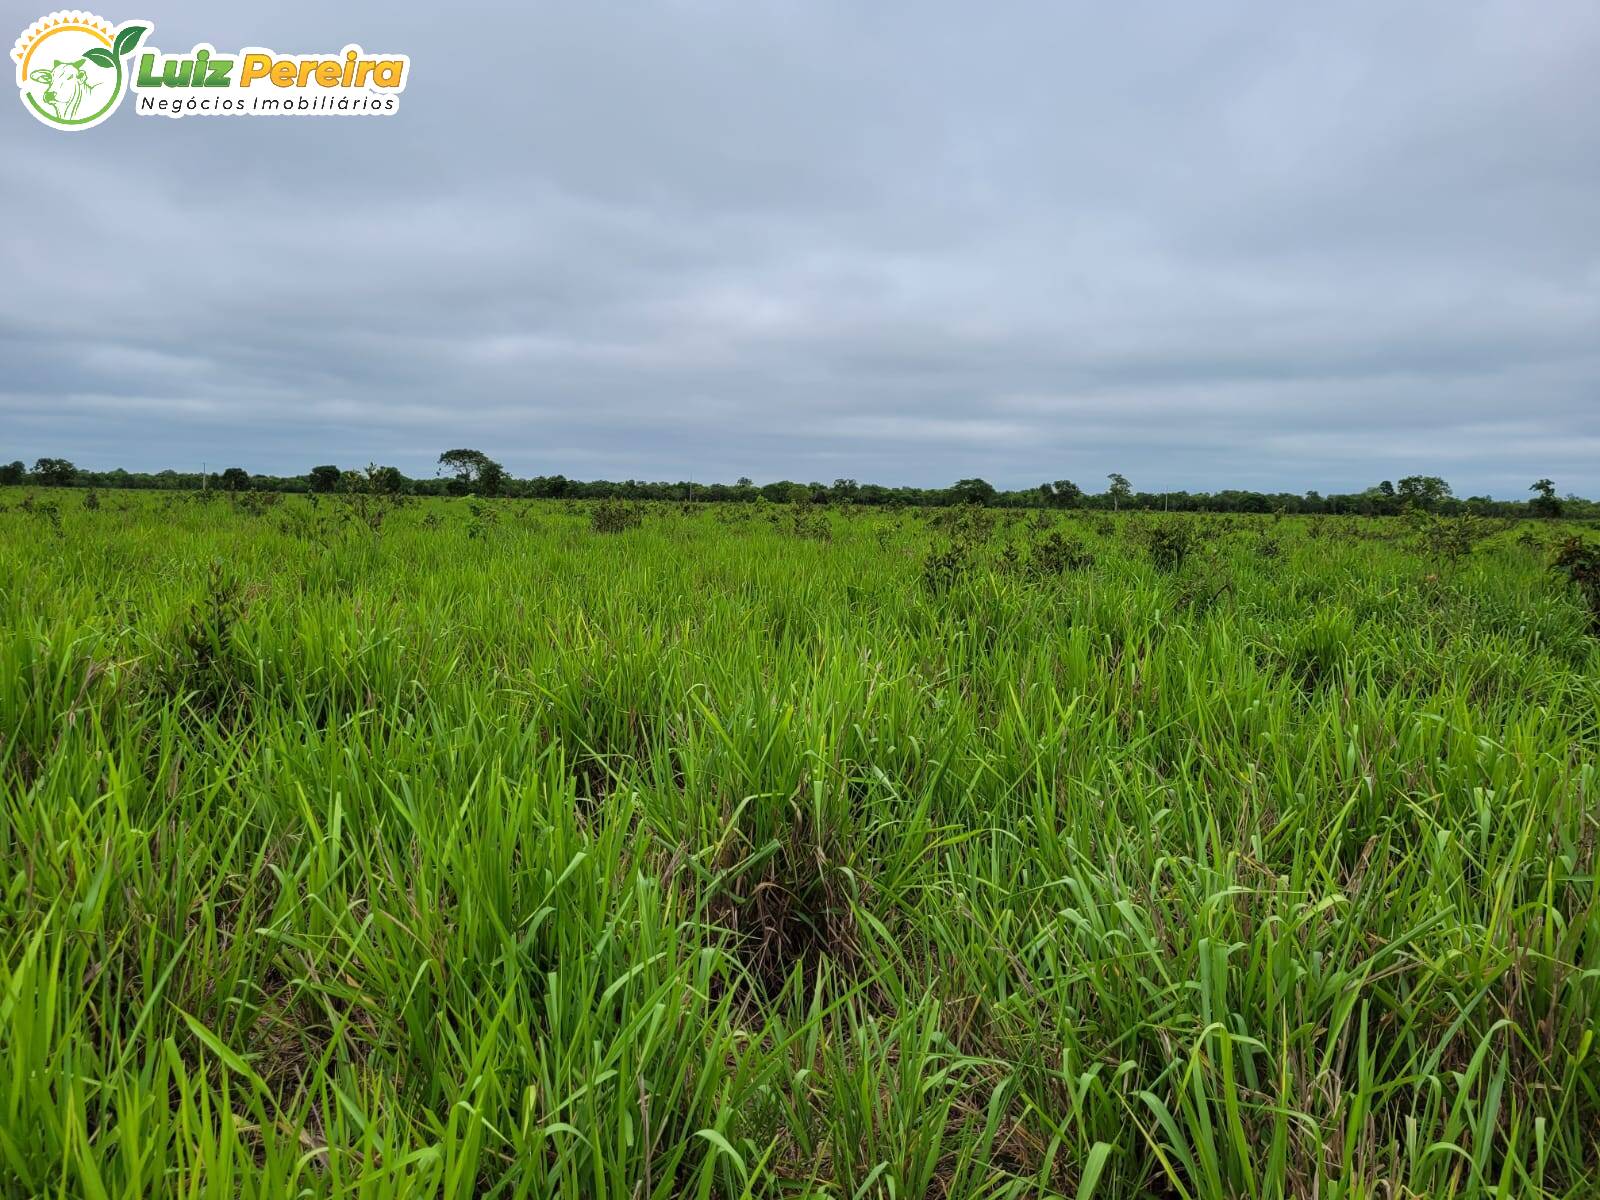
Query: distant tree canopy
(387, 480)
(324, 478)
(1063, 493)
(1423, 491)
(974, 491)
(1120, 490)
(474, 471)
(54, 472)
(465, 470)
(1544, 502)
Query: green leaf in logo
(128, 38)
(100, 57)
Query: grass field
(757, 851)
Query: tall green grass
(487, 854)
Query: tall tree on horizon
(1544, 502)
(474, 471)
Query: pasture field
(511, 849)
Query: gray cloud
(1208, 245)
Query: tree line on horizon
(471, 472)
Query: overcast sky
(1267, 245)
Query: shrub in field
(1450, 539)
(482, 518)
(807, 521)
(943, 569)
(1266, 545)
(614, 516)
(964, 522)
(1579, 561)
(201, 667)
(1040, 522)
(366, 510)
(1056, 554)
(47, 511)
(310, 522)
(1171, 542)
(1202, 589)
(256, 504)
(368, 497)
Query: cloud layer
(1256, 245)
